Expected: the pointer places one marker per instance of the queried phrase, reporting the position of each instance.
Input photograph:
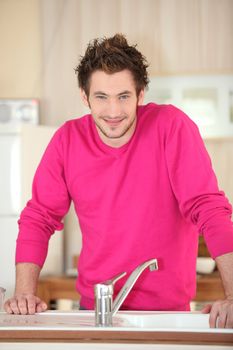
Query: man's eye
(124, 97)
(101, 97)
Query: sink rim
(121, 315)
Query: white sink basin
(167, 320)
(123, 321)
(48, 320)
(131, 326)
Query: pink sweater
(147, 199)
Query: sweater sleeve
(44, 212)
(195, 185)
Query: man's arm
(225, 267)
(25, 300)
(223, 309)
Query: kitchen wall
(221, 152)
(20, 40)
(176, 36)
(42, 40)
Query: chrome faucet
(105, 308)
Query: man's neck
(118, 141)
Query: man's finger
(7, 307)
(206, 309)
(14, 306)
(229, 320)
(41, 307)
(31, 305)
(222, 319)
(213, 317)
(22, 305)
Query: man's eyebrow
(126, 92)
(100, 93)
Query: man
(142, 185)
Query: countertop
(30, 328)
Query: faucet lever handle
(115, 279)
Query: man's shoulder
(156, 109)
(160, 113)
(77, 121)
(165, 114)
(72, 129)
(75, 125)
(165, 120)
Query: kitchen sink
(124, 320)
(128, 326)
(167, 320)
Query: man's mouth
(113, 121)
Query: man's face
(113, 102)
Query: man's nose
(114, 108)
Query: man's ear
(84, 98)
(141, 97)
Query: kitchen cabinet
(125, 338)
(50, 288)
(209, 287)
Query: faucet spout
(152, 264)
(105, 309)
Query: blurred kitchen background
(189, 46)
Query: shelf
(209, 288)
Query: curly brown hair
(112, 55)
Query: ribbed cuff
(31, 251)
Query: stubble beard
(112, 136)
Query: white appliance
(34, 140)
(207, 99)
(13, 113)
(22, 143)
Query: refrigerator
(22, 143)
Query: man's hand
(24, 304)
(221, 313)
(25, 301)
